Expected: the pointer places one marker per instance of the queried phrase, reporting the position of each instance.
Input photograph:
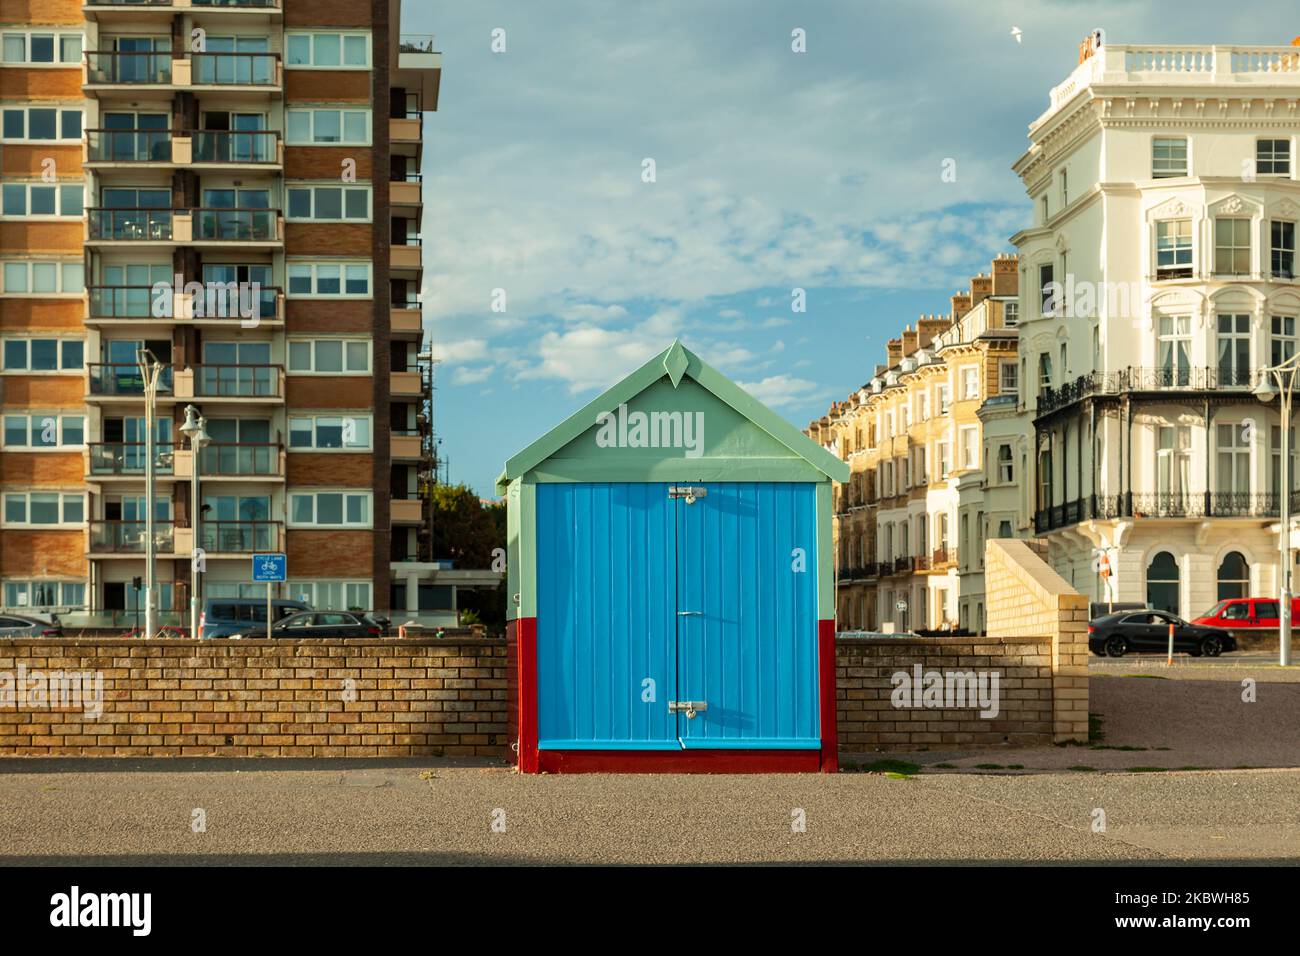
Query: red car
(1247, 613)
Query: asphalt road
(421, 813)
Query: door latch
(689, 707)
(689, 492)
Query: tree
(465, 528)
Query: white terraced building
(1166, 200)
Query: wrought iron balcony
(1180, 504)
(1139, 379)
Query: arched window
(1234, 576)
(1162, 583)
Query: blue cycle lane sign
(270, 567)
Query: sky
(774, 170)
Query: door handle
(688, 707)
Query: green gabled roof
(676, 362)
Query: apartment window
(1008, 378)
(1065, 189)
(29, 124)
(906, 464)
(1096, 347)
(943, 457)
(1168, 157)
(330, 432)
(1006, 468)
(970, 444)
(44, 509)
(1173, 459)
(1233, 458)
(44, 594)
(332, 595)
(1045, 479)
(38, 277)
(1046, 290)
(1282, 248)
(1010, 314)
(329, 279)
(333, 51)
(329, 356)
(1282, 339)
(1065, 360)
(327, 127)
(1004, 528)
(329, 203)
(970, 382)
(38, 48)
(1174, 249)
(41, 200)
(44, 431)
(1232, 247)
(1042, 205)
(44, 355)
(923, 405)
(1273, 157)
(945, 398)
(1044, 371)
(921, 476)
(333, 509)
(1174, 349)
(1275, 463)
(1234, 349)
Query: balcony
(240, 70)
(241, 460)
(129, 225)
(1195, 505)
(405, 257)
(903, 565)
(407, 384)
(405, 193)
(127, 459)
(160, 73)
(1147, 380)
(404, 130)
(127, 304)
(236, 225)
(942, 558)
(240, 537)
(133, 70)
(406, 447)
(128, 537)
(232, 381)
(405, 320)
(239, 148)
(124, 380)
(133, 146)
(406, 511)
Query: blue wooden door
(747, 617)
(645, 600)
(606, 631)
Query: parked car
(1247, 613)
(19, 625)
(1114, 635)
(313, 624)
(1098, 609)
(235, 617)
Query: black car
(1114, 635)
(313, 624)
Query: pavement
(439, 813)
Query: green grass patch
(1095, 733)
(1080, 768)
(989, 766)
(945, 766)
(891, 768)
(1148, 769)
(1125, 747)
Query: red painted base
(679, 761)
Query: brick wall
(870, 717)
(1025, 597)
(257, 698)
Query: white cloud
(778, 390)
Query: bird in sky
(1015, 32)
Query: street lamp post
(150, 372)
(195, 429)
(1284, 374)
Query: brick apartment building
(271, 147)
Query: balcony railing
(256, 4)
(943, 556)
(237, 537)
(128, 537)
(1178, 504)
(235, 69)
(236, 225)
(128, 458)
(133, 68)
(1137, 379)
(128, 3)
(238, 459)
(123, 379)
(137, 302)
(237, 381)
(234, 146)
(903, 565)
(129, 145)
(130, 225)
